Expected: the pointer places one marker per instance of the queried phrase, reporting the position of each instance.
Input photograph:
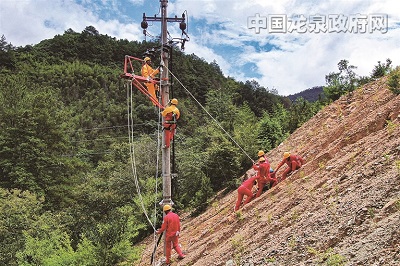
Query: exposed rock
(343, 204)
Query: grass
(238, 248)
(328, 257)
(239, 215)
(295, 216)
(258, 215)
(397, 205)
(269, 259)
(397, 163)
(292, 242)
(302, 174)
(387, 158)
(391, 126)
(269, 218)
(371, 212)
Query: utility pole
(166, 50)
(165, 89)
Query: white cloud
(302, 60)
(218, 31)
(31, 21)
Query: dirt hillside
(341, 208)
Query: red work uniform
(245, 189)
(171, 114)
(293, 162)
(264, 176)
(172, 226)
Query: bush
(393, 82)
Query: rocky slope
(341, 208)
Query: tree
(47, 242)
(32, 141)
(341, 82)
(7, 57)
(269, 132)
(381, 70)
(18, 211)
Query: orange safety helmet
(174, 101)
(260, 153)
(262, 159)
(167, 207)
(286, 155)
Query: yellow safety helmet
(260, 153)
(286, 155)
(147, 59)
(262, 159)
(174, 101)
(167, 207)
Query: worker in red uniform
(293, 162)
(149, 73)
(245, 189)
(263, 175)
(260, 154)
(172, 226)
(171, 115)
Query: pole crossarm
(175, 19)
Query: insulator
(144, 24)
(182, 25)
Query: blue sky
(248, 39)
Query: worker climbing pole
(170, 112)
(138, 81)
(165, 89)
(165, 97)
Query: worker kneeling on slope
(245, 189)
(293, 161)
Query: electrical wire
(215, 121)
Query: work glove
(177, 233)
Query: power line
(112, 127)
(215, 121)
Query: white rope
(132, 150)
(215, 121)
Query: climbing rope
(132, 153)
(215, 121)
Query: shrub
(394, 82)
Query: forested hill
(68, 192)
(311, 95)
